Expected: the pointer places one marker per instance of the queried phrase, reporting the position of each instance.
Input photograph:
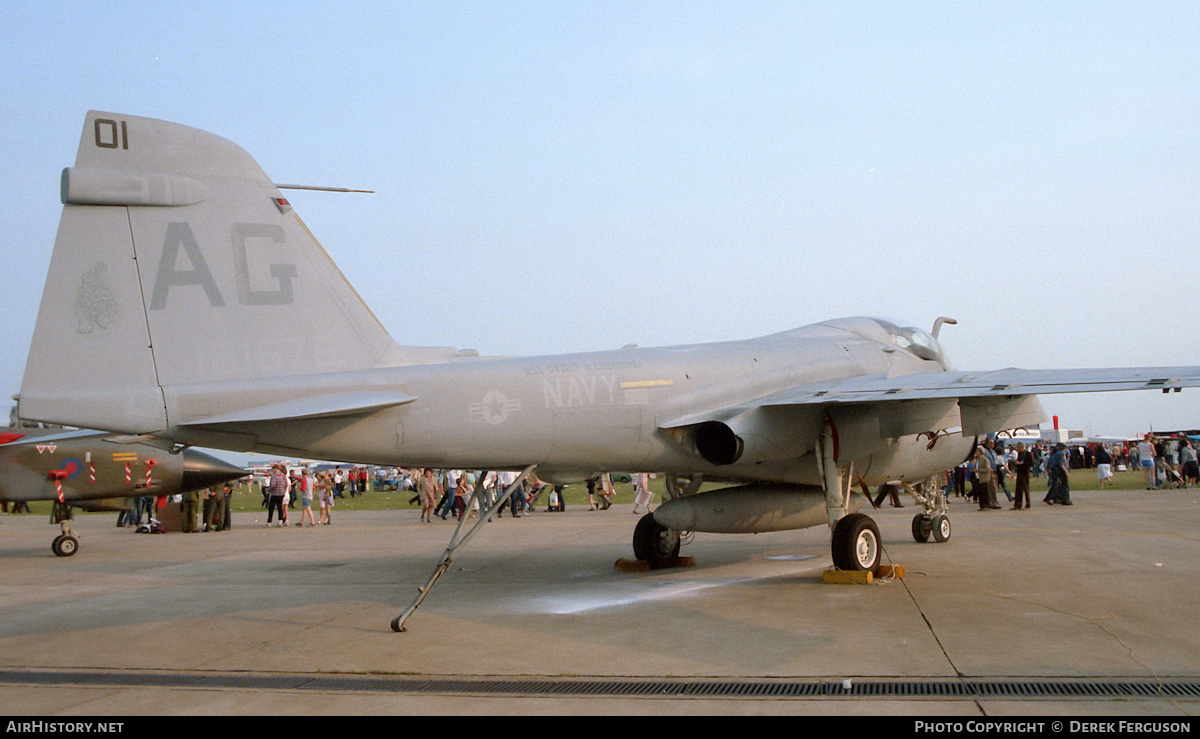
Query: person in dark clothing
(888, 491)
(1022, 465)
(1058, 471)
(985, 477)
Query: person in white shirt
(1146, 455)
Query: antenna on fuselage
(937, 325)
(319, 188)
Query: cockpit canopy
(914, 340)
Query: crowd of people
(281, 489)
(1165, 462)
(439, 492)
(446, 493)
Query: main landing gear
(654, 543)
(856, 543)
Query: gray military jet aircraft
(79, 469)
(187, 303)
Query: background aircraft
(188, 303)
(82, 470)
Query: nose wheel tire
(856, 543)
(922, 527)
(941, 528)
(64, 545)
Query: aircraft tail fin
(178, 261)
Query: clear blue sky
(556, 177)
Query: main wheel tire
(941, 528)
(654, 543)
(922, 526)
(64, 545)
(856, 544)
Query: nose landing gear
(934, 519)
(66, 543)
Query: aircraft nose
(202, 470)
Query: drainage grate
(965, 689)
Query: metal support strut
(836, 480)
(455, 543)
(929, 495)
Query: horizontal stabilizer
(25, 437)
(332, 405)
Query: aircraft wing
(976, 402)
(996, 383)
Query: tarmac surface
(1082, 610)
